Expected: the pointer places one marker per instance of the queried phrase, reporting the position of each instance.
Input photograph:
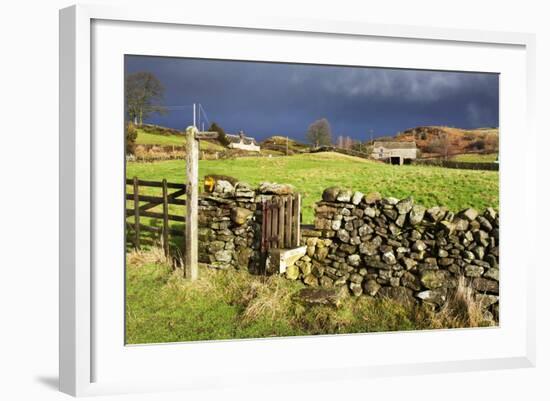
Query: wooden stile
(288, 222)
(280, 223)
(297, 219)
(274, 224)
(267, 222)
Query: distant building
(243, 142)
(394, 152)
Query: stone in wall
(230, 220)
(392, 247)
(227, 227)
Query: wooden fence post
(136, 213)
(274, 223)
(288, 222)
(192, 204)
(281, 220)
(296, 219)
(165, 227)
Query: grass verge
(161, 306)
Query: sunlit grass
(476, 158)
(161, 306)
(312, 173)
(148, 138)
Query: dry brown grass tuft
(460, 310)
(268, 297)
(154, 255)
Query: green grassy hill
(153, 137)
(476, 158)
(311, 173)
(280, 143)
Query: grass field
(148, 138)
(313, 172)
(476, 158)
(163, 307)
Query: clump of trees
(319, 133)
(222, 136)
(486, 144)
(144, 94)
(344, 142)
(131, 136)
(440, 145)
(386, 138)
(363, 147)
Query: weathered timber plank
(155, 184)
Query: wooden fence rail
(143, 210)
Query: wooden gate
(281, 222)
(146, 209)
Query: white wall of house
(241, 145)
(383, 153)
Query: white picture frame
(85, 329)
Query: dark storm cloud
(265, 99)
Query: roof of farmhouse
(247, 140)
(395, 145)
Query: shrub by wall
(457, 164)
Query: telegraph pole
(199, 118)
(194, 115)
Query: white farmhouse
(394, 152)
(243, 142)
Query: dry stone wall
(398, 249)
(230, 220)
(370, 245)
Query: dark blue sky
(265, 99)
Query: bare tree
(348, 143)
(144, 92)
(319, 133)
(340, 142)
(440, 145)
(445, 145)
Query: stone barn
(394, 152)
(243, 142)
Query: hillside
(279, 143)
(434, 140)
(157, 135)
